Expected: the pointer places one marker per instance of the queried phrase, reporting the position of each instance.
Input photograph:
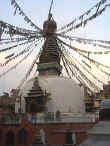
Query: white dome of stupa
(65, 94)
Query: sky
(64, 11)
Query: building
(48, 101)
(99, 135)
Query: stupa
(49, 91)
(48, 101)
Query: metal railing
(64, 118)
(44, 145)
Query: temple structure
(48, 101)
(64, 93)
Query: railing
(43, 118)
(45, 145)
(64, 118)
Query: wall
(55, 132)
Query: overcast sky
(64, 11)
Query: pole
(51, 6)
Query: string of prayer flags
(14, 46)
(13, 40)
(87, 81)
(14, 67)
(19, 54)
(84, 22)
(30, 70)
(1, 33)
(83, 15)
(13, 56)
(94, 61)
(13, 30)
(82, 39)
(20, 12)
(73, 58)
(81, 73)
(90, 73)
(80, 53)
(85, 77)
(84, 51)
(9, 56)
(9, 59)
(86, 64)
(2, 27)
